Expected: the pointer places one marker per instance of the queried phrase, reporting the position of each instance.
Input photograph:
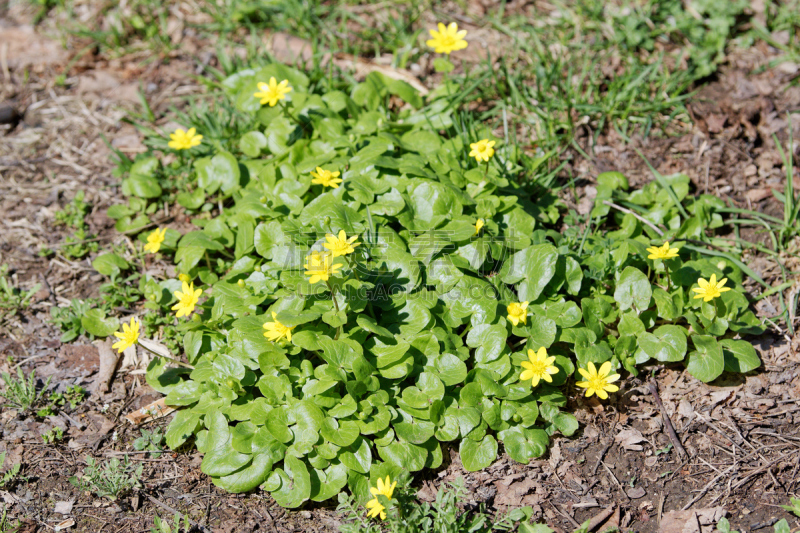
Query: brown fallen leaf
(108, 365)
(629, 439)
(691, 520)
(69, 522)
(153, 411)
(362, 67)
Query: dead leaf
(510, 492)
(691, 521)
(629, 439)
(64, 507)
(69, 522)
(361, 68)
(108, 365)
(153, 411)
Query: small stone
(635, 493)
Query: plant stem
(180, 363)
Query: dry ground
(742, 435)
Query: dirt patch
(621, 469)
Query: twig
(667, 422)
(636, 215)
(600, 457)
(564, 514)
(762, 525)
(175, 511)
(708, 486)
(600, 518)
(614, 478)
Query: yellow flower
(376, 509)
(184, 278)
(538, 366)
(478, 225)
(319, 265)
(183, 140)
(326, 178)
(482, 150)
(154, 240)
(662, 252)
(341, 245)
(447, 39)
(710, 289)
(598, 382)
(128, 336)
(277, 331)
(385, 488)
(187, 299)
(518, 312)
(273, 91)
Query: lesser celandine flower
(184, 278)
(447, 39)
(277, 331)
(326, 178)
(385, 488)
(478, 225)
(127, 337)
(154, 240)
(482, 150)
(340, 245)
(538, 367)
(272, 92)
(662, 252)
(187, 299)
(710, 289)
(598, 382)
(518, 312)
(184, 140)
(319, 266)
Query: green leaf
(707, 362)
(740, 356)
(534, 267)
(182, 428)
(110, 264)
(219, 172)
(665, 344)
(252, 143)
(328, 483)
(633, 290)
(357, 456)
(95, 322)
(141, 186)
(191, 200)
(295, 483)
(523, 444)
(477, 455)
(249, 477)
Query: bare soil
(742, 434)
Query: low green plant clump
(161, 525)
(53, 436)
(371, 281)
(73, 216)
(443, 515)
(13, 299)
(11, 473)
(111, 479)
(20, 392)
(151, 440)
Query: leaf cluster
(406, 348)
